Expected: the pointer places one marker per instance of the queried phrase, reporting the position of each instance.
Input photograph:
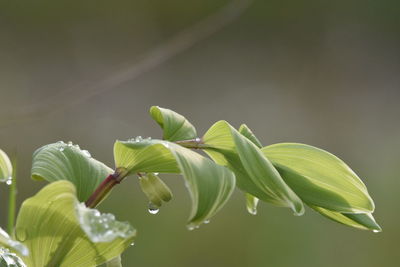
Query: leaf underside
(209, 185)
(175, 126)
(60, 161)
(48, 225)
(255, 174)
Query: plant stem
(12, 198)
(104, 188)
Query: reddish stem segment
(103, 189)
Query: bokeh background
(325, 73)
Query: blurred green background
(325, 73)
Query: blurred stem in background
(12, 198)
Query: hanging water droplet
(153, 209)
(9, 181)
(376, 231)
(86, 153)
(132, 244)
(190, 227)
(20, 234)
(206, 221)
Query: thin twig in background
(157, 56)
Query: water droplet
(132, 244)
(190, 227)
(153, 209)
(252, 211)
(376, 231)
(86, 153)
(20, 234)
(166, 145)
(70, 144)
(9, 181)
(61, 149)
(206, 221)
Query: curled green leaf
(155, 189)
(49, 225)
(245, 131)
(255, 174)
(65, 161)
(320, 178)
(209, 185)
(175, 126)
(5, 167)
(363, 221)
(325, 183)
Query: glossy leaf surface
(210, 185)
(255, 174)
(175, 126)
(320, 178)
(48, 224)
(61, 161)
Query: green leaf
(8, 242)
(144, 155)
(175, 126)
(251, 201)
(9, 259)
(364, 221)
(320, 178)
(245, 131)
(49, 225)
(60, 161)
(155, 189)
(209, 184)
(5, 167)
(254, 172)
(116, 262)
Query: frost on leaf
(102, 227)
(9, 259)
(6, 241)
